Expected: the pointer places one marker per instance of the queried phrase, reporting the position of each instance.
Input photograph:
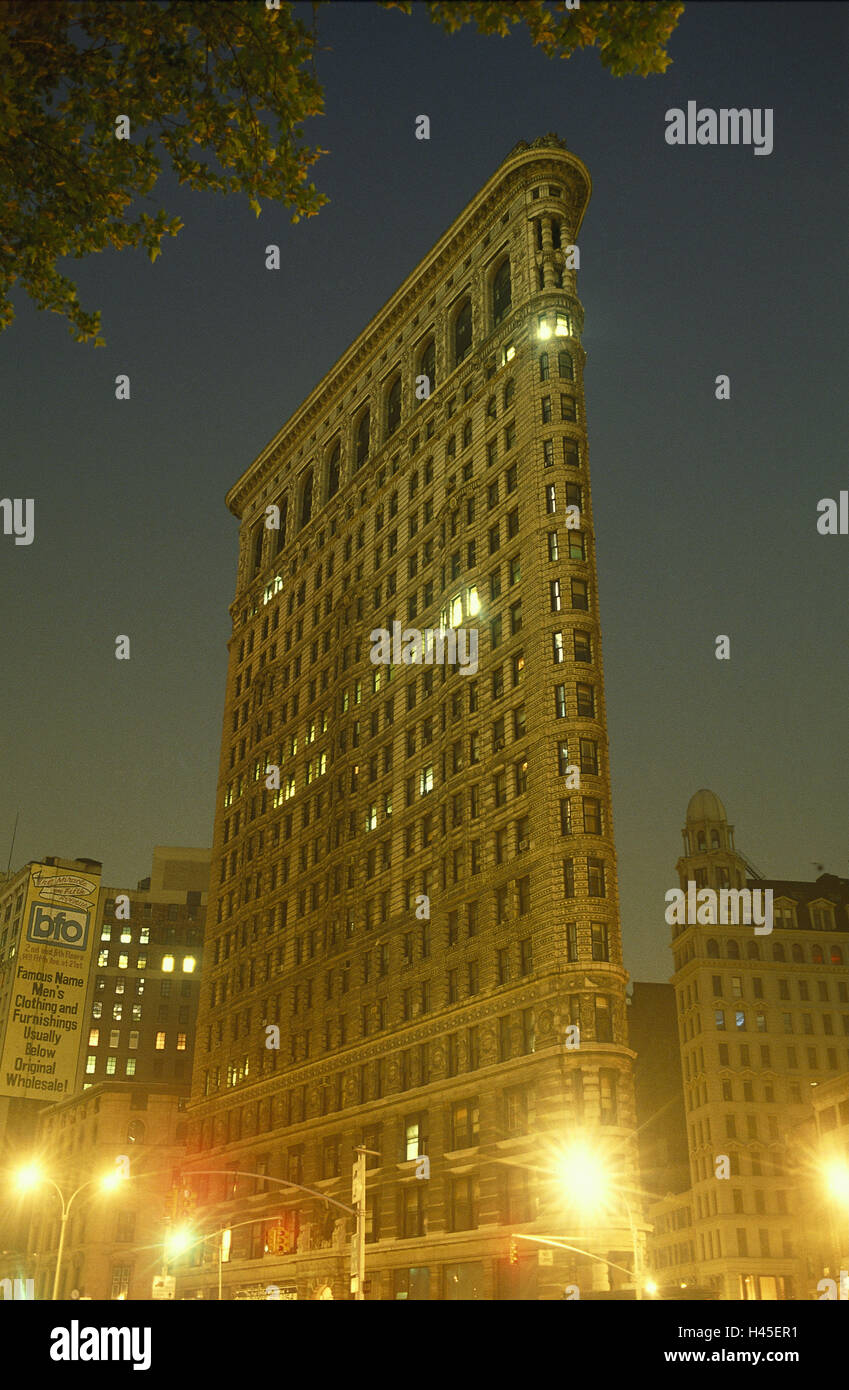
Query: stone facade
(762, 1021)
(414, 874)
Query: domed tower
(709, 859)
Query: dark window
(333, 472)
(306, 498)
(393, 407)
(501, 292)
(427, 365)
(463, 331)
(362, 439)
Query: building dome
(705, 805)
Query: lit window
(131, 1066)
(181, 1042)
(160, 1042)
(167, 963)
(141, 962)
(123, 961)
(472, 601)
(544, 327)
(90, 1064)
(562, 326)
(105, 932)
(103, 958)
(144, 936)
(455, 611)
(126, 936)
(188, 965)
(426, 781)
(134, 1038)
(94, 1037)
(111, 1064)
(113, 1037)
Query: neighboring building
(659, 1090)
(114, 1240)
(414, 874)
(46, 926)
(145, 986)
(762, 1019)
(672, 1258)
(818, 1159)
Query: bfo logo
(57, 926)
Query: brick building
(414, 874)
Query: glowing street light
(591, 1187)
(836, 1176)
(31, 1176)
(586, 1177)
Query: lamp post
(30, 1177)
(589, 1184)
(358, 1211)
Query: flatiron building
(413, 940)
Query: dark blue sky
(694, 261)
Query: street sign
(164, 1286)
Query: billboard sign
(46, 1015)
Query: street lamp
(836, 1176)
(31, 1177)
(589, 1180)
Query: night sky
(694, 261)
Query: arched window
(362, 439)
(283, 505)
(778, 951)
(393, 407)
(566, 366)
(817, 955)
(714, 839)
(713, 949)
(306, 499)
(259, 536)
(796, 952)
(836, 955)
(501, 292)
(733, 950)
(509, 393)
(753, 951)
(333, 471)
(463, 331)
(427, 365)
(702, 840)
